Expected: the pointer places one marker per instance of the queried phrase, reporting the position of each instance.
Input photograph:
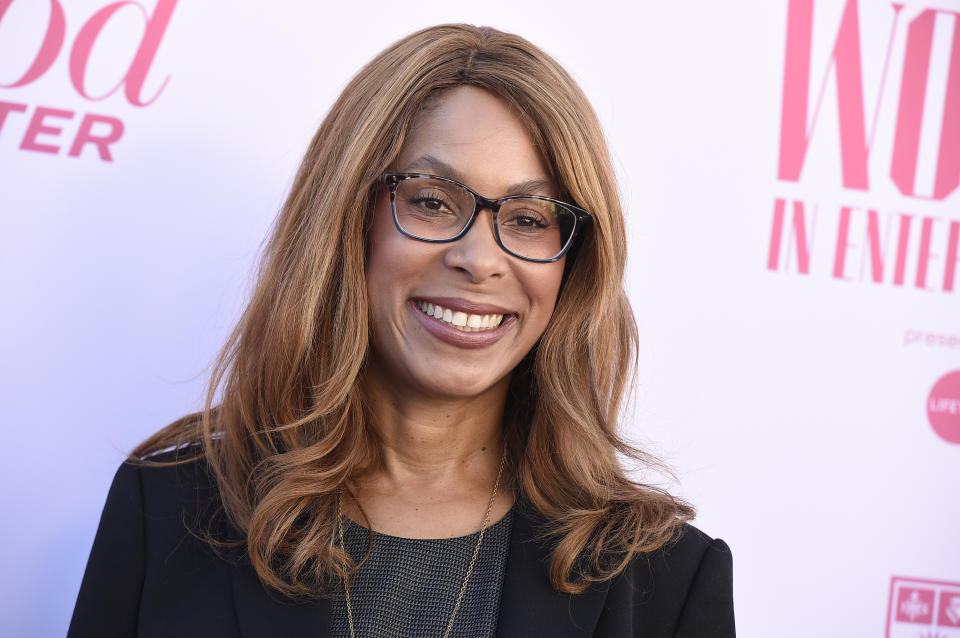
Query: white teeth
(460, 320)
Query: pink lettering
(950, 272)
(948, 160)
(875, 253)
(924, 256)
(136, 75)
(6, 107)
(845, 58)
(913, 90)
(860, 230)
(946, 405)
(798, 235)
(102, 142)
(933, 339)
(776, 233)
(37, 127)
(49, 48)
(903, 242)
(843, 231)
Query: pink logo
(915, 605)
(45, 127)
(943, 407)
(949, 609)
(921, 608)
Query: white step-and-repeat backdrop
(790, 169)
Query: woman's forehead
(473, 136)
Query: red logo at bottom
(921, 608)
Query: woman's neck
(440, 458)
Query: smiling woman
(413, 429)
(473, 134)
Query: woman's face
(472, 136)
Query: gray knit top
(408, 587)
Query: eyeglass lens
(435, 209)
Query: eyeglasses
(436, 209)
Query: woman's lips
(460, 338)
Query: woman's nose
(477, 253)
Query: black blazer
(148, 576)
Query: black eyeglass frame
(392, 181)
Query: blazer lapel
(263, 614)
(529, 606)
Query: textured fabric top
(408, 587)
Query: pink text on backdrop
(855, 139)
(880, 244)
(41, 120)
(794, 224)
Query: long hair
(284, 423)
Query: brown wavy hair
(285, 424)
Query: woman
(416, 427)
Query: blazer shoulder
(148, 564)
(707, 608)
(692, 543)
(173, 480)
(684, 588)
(682, 561)
(174, 494)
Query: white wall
(793, 406)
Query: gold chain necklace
(473, 559)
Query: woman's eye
(529, 221)
(430, 203)
(526, 220)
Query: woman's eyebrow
(431, 163)
(441, 168)
(531, 187)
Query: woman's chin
(455, 384)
